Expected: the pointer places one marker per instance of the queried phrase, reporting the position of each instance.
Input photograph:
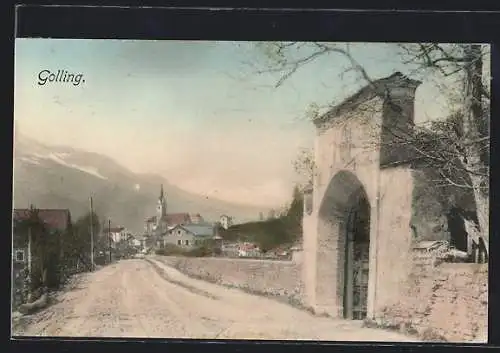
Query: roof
(375, 88)
(199, 230)
(54, 218)
(248, 247)
(177, 218)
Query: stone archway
(361, 174)
(343, 247)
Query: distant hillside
(273, 232)
(63, 177)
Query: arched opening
(343, 247)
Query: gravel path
(137, 298)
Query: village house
(130, 239)
(138, 241)
(188, 236)
(117, 234)
(56, 221)
(248, 250)
(240, 249)
(225, 221)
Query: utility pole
(29, 252)
(28, 282)
(109, 235)
(91, 235)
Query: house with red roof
(55, 219)
(56, 222)
(162, 224)
(248, 250)
(173, 219)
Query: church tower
(161, 208)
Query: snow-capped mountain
(63, 177)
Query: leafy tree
(270, 234)
(78, 243)
(284, 228)
(294, 215)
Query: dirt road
(135, 298)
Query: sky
(195, 112)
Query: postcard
(321, 191)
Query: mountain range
(64, 177)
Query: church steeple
(161, 209)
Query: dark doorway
(456, 227)
(356, 268)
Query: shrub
(200, 251)
(160, 252)
(170, 249)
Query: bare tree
(451, 154)
(305, 167)
(468, 138)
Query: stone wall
(444, 302)
(281, 279)
(391, 241)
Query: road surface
(141, 299)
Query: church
(158, 225)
